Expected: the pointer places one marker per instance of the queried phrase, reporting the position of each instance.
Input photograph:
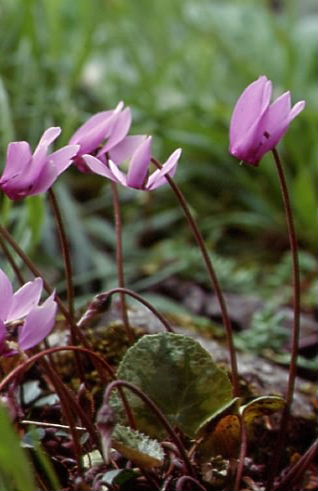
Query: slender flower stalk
(296, 277)
(120, 261)
(157, 411)
(257, 126)
(212, 275)
(66, 256)
(296, 325)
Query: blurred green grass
(181, 66)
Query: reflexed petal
(139, 165)
(61, 159)
(47, 138)
(19, 156)
(117, 174)
(276, 122)
(93, 138)
(277, 112)
(90, 125)
(125, 149)
(24, 299)
(92, 133)
(297, 108)
(6, 294)
(249, 108)
(119, 131)
(95, 165)
(169, 167)
(38, 324)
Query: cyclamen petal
(250, 107)
(19, 156)
(26, 174)
(102, 131)
(158, 178)
(22, 308)
(91, 136)
(57, 163)
(24, 299)
(39, 158)
(38, 324)
(139, 165)
(119, 131)
(98, 167)
(117, 174)
(126, 148)
(96, 121)
(256, 126)
(62, 158)
(46, 139)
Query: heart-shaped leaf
(179, 376)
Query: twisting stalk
(296, 325)
(120, 261)
(20, 369)
(102, 298)
(212, 275)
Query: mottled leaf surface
(179, 376)
(138, 447)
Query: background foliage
(181, 66)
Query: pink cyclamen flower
(101, 133)
(137, 150)
(27, 174)
(256, 125)
(21, 311)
